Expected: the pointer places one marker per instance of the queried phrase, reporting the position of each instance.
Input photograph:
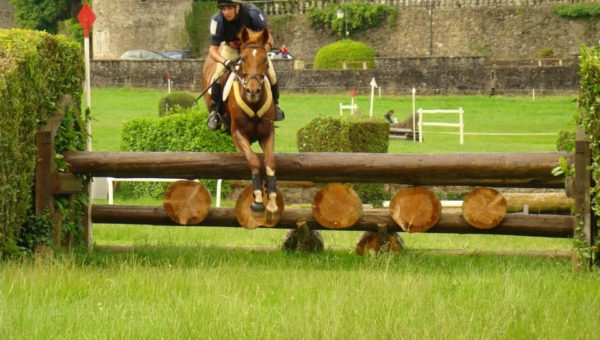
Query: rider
(225, 47)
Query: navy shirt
(249, 16)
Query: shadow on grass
(422, 261)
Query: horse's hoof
(257, 208)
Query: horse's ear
(244, 35)
(264, 36)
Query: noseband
(244, 78)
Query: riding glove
(229, 64)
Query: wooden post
(582, 184)
(45, 168)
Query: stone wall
(138, 24)
(6, 14)
(497, 32)
(500, 33)
(394, 75)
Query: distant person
(284, 52)
(388, 116)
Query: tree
(44, 15)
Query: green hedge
(585, 10)
(185, 131)
(349, 134)
(174, 101)
(332, 56)
(589, 109)
(36, 68)
(357, 17)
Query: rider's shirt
(222, 30)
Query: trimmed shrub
(344, 134)
(174, 101)
(36, 69)
(332, 56)
(185, 131)
(349, 134)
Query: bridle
(244, 78)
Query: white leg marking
(270, 172)
(258, 196)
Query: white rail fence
(460, 125)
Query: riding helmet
(228, 2)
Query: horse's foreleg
(243, 145)
(268, 145)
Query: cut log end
(337, 206)
(187, 202)
(415, 209)
(373, 242)
(484, 208)
(252, 220)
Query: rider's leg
(216, 107)
(279, 115)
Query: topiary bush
(185, 131)
(174, 101)
(332, 56)
(349, 134)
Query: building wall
(6, 14)
(123, 25)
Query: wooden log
(537, 202)
(66, 184)
(186, 202)
(336, 206)
(513, 224)
(303, 239)
(415, 209)
(250, 220)
(372, 243)
(484, 208)
(476, 169)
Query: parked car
(142, 54)
(277, 55)
(180, 54)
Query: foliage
(357, 17)
(589, 110)
(43, 14)
(196, 24)
(349, 134)
(566, 141)
(36, 69)
(174, 101)
(546, 52)
(71, 28)
(584, 10)
(332, 56)
(185, 131)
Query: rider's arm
(213, 52)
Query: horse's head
(254, 62)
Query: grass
(204, 292)
(186, 282)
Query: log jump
(516, 170)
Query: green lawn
(187, 282)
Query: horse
(250, 114)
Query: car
(179, 54)
(277, 55)
(142, 55)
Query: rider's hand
(229, 64)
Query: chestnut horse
(251, 111)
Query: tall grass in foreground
(216, 293)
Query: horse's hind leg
(254, 163)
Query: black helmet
(228, 2)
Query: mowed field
(187, 282)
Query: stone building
(6, 14)
(123, 25)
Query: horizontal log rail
(527, 170)
(513, 224)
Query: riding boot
(216, 105)
(279, 115)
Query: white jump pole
(414, 92)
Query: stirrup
(279, 115)
(214, 120)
